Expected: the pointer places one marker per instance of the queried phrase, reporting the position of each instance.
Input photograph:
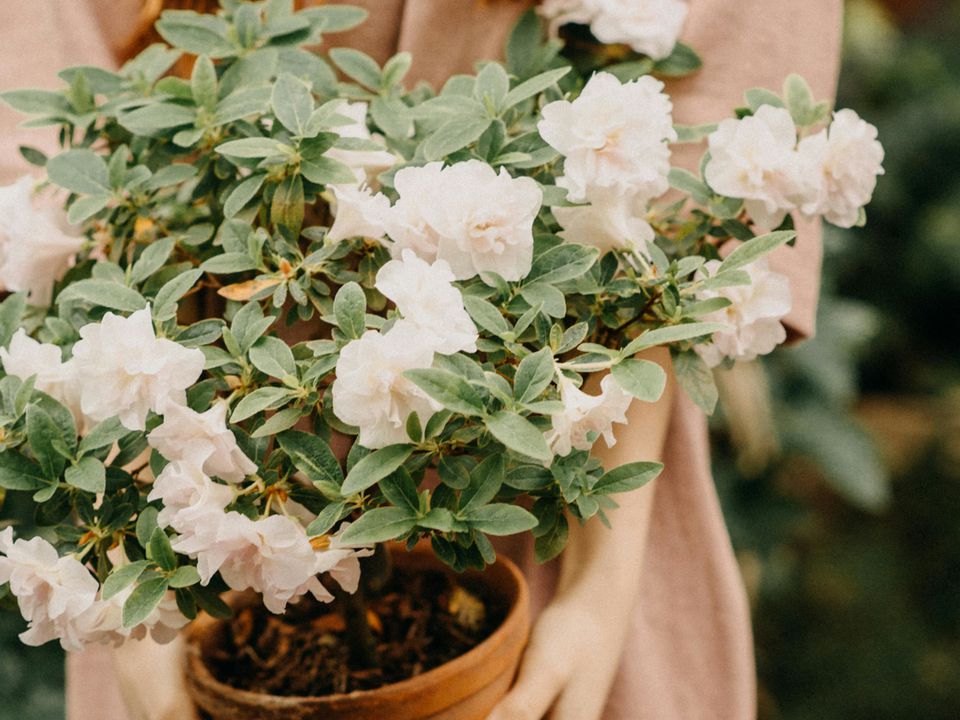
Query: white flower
(126, 371)
(847, 158)
(203, 438)
(27, 357)
(34, 251)
(650, 27)
(188, 496)
(606, 224)
(613, 138)
(103, 622)
(585, 418)
(53, 592)
(272, 556)
(756, 159)
(366, 164)
(359, 213)
(424, 294)
(467, 214)
(753, 316)
(371, 392)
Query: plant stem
(375, 573)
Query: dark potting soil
(419, 622)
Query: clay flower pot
(466, 688)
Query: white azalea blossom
(606, 224)
(34, 250)
(650, 27)
(847, 159)
(53, 592)
(127, 370)
(756, 159)
(586, 417)
(26, 357)
(753, 317)
(468, 215)
(188, 496)
(103, 622)
(614, 138)
(425, 295)
(370, 390)
(204, 438)
(358, 213)
(366, 164)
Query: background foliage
(850, 553)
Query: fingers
(542, 676)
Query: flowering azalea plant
(288, 248)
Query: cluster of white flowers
(271, 555)
(650, 27)
(370, 390)
(366, 164)
(614, 138)
(832, 173)
(119, 368)
(586, 417)
(60, 599)
(466, 214)
(34, 249)
(753, 317)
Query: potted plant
(309, 321)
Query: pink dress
(689, 654)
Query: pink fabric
(689, 654)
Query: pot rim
(517, 620)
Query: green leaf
(627, 477)
(278, 422)
(696, 379)
(358, 66)
(184, 577)
(230, 262)
(560, 263)
(196, 33)
(144, 600)
(102, 435)
(259, 400)
(84, 208)
(693, 133)
(799, 100)
(523, 45)
(37, 102)
(165, 301)
(374, 467)
(292, 103)
(454, 135)
(500, 519)
(146, 525)
(44, 436)
(20, 473)
(160, 551)
(273, 356)
(485, 482)
(682, 61)
(311, 456)
(349, 307)
(755, 249)
(492, 84)
(671, 334)
(451, 391)
(553, 540)
(322, 170)
(643, 379)
(533, 86)
(203, 83)
(103, 293)
(254, 147)
(155, 118)
(335, 18)
(11, 315)
(520, 435)
(686, 181)
(486, 315)
(534, 374)
(88, 474)
(243, 194)
(379, 525)
(328, 517)
(758, 97)
(151, 259)
(123, 577)
(287, 206)
(80, 171)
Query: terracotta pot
(466, 688)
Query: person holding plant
(649, 618)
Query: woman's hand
(575, 647)
(152, 682)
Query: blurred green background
(845, 508)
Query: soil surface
(419, 622)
